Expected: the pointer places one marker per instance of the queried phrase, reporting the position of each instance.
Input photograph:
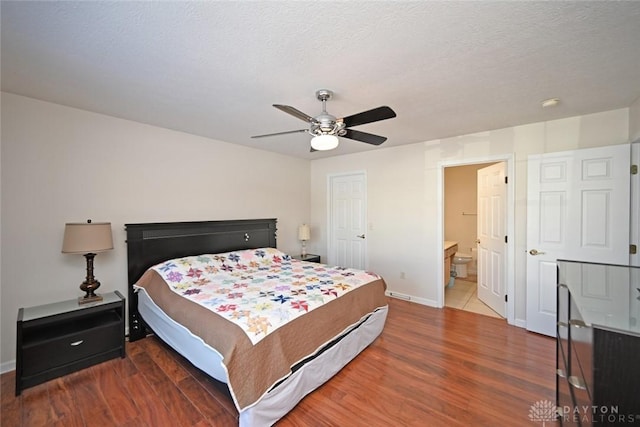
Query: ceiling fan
(326, 128)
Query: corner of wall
(634, 121)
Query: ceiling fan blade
(375, 115)
(369, 138)
(294, 112)
(280, 133)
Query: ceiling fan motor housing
(326, 124)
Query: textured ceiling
(214, 68)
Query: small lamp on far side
(88, 238)
(304, 234)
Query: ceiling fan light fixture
(324, 142)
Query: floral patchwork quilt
(259, 289)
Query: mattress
(251, 366)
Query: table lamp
(304, 234)
(88, 238)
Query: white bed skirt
(279, 401)
(181, 339)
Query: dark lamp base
(88, 299)
(90, 284)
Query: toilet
(460, 261)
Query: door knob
(478, 241)
(535, 252)
(360, 236)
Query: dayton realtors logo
(543, 411)
(546, 411)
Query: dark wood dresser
(598, 345)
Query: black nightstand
(57, 339)
(308, 257)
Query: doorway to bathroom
(477, 218)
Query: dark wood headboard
(152, 243)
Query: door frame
(635, 204)
(510, 252)
(330, 248)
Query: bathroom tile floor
(464, 296)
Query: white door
(492, 226)
(347, 222)
(578, 209)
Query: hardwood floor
(429, 367)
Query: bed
(268, 364)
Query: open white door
(347, 221)
(578, 209)
(492, 245)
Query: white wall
(403, 201)
(61, 165)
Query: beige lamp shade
(87, 237)
(304, 233)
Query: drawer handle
(577, 382)
(577, 323)
(561, 373)
(76, 343)
(562, 285)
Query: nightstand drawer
(42, 355)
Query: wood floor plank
(206, 404)
(10, 405)
(125, 367)
(162, 357)
(136, 422)
(150, 370)
(151, 410)
(90, 401)
(435, 367)
(37, 410)
(207, 423)
(64, 403)
(181, 409)
(116, 396)
(184, 413)
(219, 391)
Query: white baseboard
(8, 366)
(411, 298)
(520, 323)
